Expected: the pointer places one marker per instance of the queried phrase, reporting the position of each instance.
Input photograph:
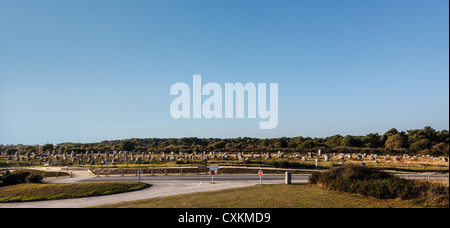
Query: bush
(19, 177)
(287, 164)
(314, 178)
(33, 178)
(381, 185)
(179, 162)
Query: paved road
(301, 178)
(273, 178)
(161, 186)
(425, 176)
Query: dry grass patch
(34, 192)
(265, 196)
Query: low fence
(187, 170)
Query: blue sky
(93, 70)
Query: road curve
(161, 186)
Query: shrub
(19, 177)
(314, 178)
(287, 164)
(381, 185)
(33, 178)
(179, 162)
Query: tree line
(426, 141)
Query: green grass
(34, 192)
(265, 196)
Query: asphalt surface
(161, 186)
(273, 178)
(269, 179)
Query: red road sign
(213, 172)
(260, 172)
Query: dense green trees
(127, 145)
(418, 141)
(396, 141)
(372, 140)
(351, 141)
(308, 144)
(46, 147)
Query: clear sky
(93, 70)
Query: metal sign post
(139, 174)
(260, 173)
(212, 175)
(107, 167)
(213, 169)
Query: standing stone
(138, 160)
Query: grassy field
(33, 192)
(265, 196)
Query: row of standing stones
(121, 157)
